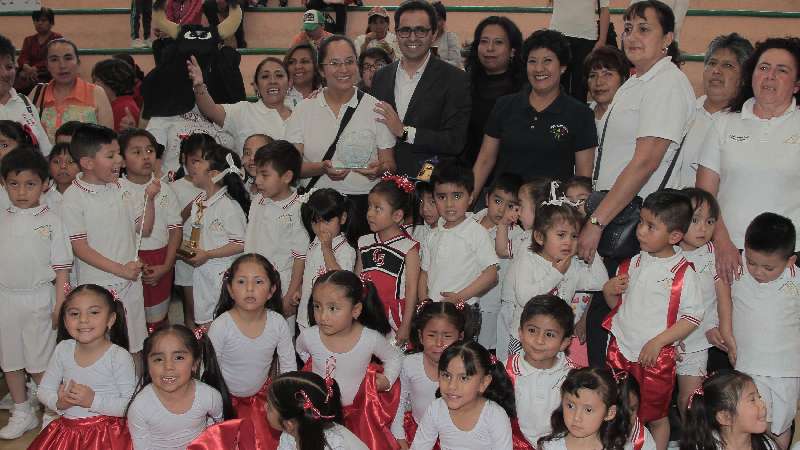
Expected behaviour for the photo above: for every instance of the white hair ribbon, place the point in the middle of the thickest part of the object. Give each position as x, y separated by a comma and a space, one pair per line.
231, 169
555, 200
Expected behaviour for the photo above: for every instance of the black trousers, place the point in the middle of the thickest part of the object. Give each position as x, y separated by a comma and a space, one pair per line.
573, 79
341, 15
143, 9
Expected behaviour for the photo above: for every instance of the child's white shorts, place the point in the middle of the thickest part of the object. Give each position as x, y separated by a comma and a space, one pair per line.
183, 273
693, 364
27, 338
780, 395
131, 295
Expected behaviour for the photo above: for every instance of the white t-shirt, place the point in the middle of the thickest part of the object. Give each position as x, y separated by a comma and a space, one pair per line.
349, 368
337, 437
706, 269
660, 103
492, 432
686, 168
537, 393
469, 244
314, 266
245, 119
38, 239
766, 324
757, 161
645, 305
111, 377
168, 214
154, 427
245, 362
16, 110
170, 131
576, 18
314, 125
417, 392
275, 230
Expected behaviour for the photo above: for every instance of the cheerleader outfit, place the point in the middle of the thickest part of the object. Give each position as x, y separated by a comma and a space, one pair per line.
101, 426
491, 432
417, 392
223, 222
384, 263
186, 193
660, 292
344, 254
154, 427
367, 412
337, 437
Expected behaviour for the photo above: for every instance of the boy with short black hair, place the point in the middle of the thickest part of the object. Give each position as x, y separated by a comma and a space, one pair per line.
29, 301
103, 224
275, 228
499, 219
545, 331
656, 302
459, 263
765, 319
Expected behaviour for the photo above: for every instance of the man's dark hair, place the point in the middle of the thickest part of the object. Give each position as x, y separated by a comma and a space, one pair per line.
416, 5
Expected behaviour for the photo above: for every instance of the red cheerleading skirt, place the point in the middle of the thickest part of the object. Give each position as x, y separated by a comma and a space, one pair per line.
254, 408
655, 383
155, 295
91, 433
236, 434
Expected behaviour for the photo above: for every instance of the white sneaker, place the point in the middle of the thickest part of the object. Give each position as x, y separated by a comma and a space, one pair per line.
147, 43
19, 423
137, 43
48, 417
6, 402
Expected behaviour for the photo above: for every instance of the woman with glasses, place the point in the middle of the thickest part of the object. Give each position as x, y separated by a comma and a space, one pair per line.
370, 61
353, 163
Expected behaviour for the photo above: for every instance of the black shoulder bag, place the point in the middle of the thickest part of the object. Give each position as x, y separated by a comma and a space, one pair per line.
348, 114
619, 235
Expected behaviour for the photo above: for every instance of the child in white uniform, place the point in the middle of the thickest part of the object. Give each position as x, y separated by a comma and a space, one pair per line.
428, 212
349, 327
474, 390
90, 378
324, 213
172, 406
248, 330
437, 325
103, 224
63, 170
766, 319
275, 229
37, 238
221, 214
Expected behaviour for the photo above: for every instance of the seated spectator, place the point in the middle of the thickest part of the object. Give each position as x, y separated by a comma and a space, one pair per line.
378, 34
370, 61
117, 79
447, 45
339, 7
137, 86
32, 62
313, 32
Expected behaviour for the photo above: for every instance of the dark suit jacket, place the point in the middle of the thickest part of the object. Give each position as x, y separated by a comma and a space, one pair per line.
439, 110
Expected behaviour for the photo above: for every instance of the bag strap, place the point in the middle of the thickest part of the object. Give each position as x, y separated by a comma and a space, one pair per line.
672, 164
38, 96
26, 102
348, 114
600, 149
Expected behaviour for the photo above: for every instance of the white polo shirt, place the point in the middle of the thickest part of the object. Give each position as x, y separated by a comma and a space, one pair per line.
223, 223
165, 205
766, 324
16, 110
106, 219
39, 239
455, 257
758, 162
659, 103
314, 125
645, 305
686, 168
170, 131
344, 254
576, 18
705, 266
245, 119
275, 230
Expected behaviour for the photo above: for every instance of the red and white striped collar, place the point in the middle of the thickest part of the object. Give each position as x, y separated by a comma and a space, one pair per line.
35, 211
89, 187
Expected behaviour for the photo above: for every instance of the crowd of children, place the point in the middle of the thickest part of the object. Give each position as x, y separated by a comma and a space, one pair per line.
439, 329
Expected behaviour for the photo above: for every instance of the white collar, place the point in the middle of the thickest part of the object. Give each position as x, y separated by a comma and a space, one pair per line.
218, 195
92, 188
748, 113
35, 211
658, 67
353, 102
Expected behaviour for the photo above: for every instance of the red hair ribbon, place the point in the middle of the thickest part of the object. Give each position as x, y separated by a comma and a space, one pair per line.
183, 136
308, 405
461, 305
67, 288
698, 391
199, 332
619, 375
493, 359
29, 131
402, 182
330, 368
422, 305
115, 295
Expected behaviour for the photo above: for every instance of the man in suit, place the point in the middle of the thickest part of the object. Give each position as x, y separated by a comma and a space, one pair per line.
425, 101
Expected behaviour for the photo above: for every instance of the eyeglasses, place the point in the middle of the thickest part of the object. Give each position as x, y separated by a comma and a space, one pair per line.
367, 67
337, 64
419, 32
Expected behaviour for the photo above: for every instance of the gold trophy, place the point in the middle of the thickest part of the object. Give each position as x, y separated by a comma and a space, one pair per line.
187, 248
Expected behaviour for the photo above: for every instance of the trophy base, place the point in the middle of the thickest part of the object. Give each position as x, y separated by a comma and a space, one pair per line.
186, 252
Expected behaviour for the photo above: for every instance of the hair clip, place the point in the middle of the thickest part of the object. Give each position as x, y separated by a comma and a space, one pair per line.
330, 368
227, 274
308, 405
67, 288
421, 305
698, 391
493, 359
304, 198
401, 181
115, 295
183, 136
619, 375
555, 200
199, 332
460, 305
232, 168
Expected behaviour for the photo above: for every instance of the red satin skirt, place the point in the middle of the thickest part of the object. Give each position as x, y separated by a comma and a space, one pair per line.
410, 427
517, 438
236, 434
254, 408
155, 295
655, 383
91, 433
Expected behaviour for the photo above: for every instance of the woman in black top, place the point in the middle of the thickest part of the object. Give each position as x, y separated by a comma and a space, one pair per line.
540, 131
495, 68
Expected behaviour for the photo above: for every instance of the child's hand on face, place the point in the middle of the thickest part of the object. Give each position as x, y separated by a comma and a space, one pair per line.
382, 383
617, 285
511, 216
153, 189
325, 238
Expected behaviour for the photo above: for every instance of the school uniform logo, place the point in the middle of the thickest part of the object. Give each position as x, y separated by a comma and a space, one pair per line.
738, 138
44, 232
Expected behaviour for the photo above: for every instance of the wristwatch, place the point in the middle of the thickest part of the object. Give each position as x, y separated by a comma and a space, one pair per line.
595, 221
404, 137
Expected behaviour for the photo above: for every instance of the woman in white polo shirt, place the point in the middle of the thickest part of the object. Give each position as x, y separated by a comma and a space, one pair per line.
243, 119
751, 157
364, 150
